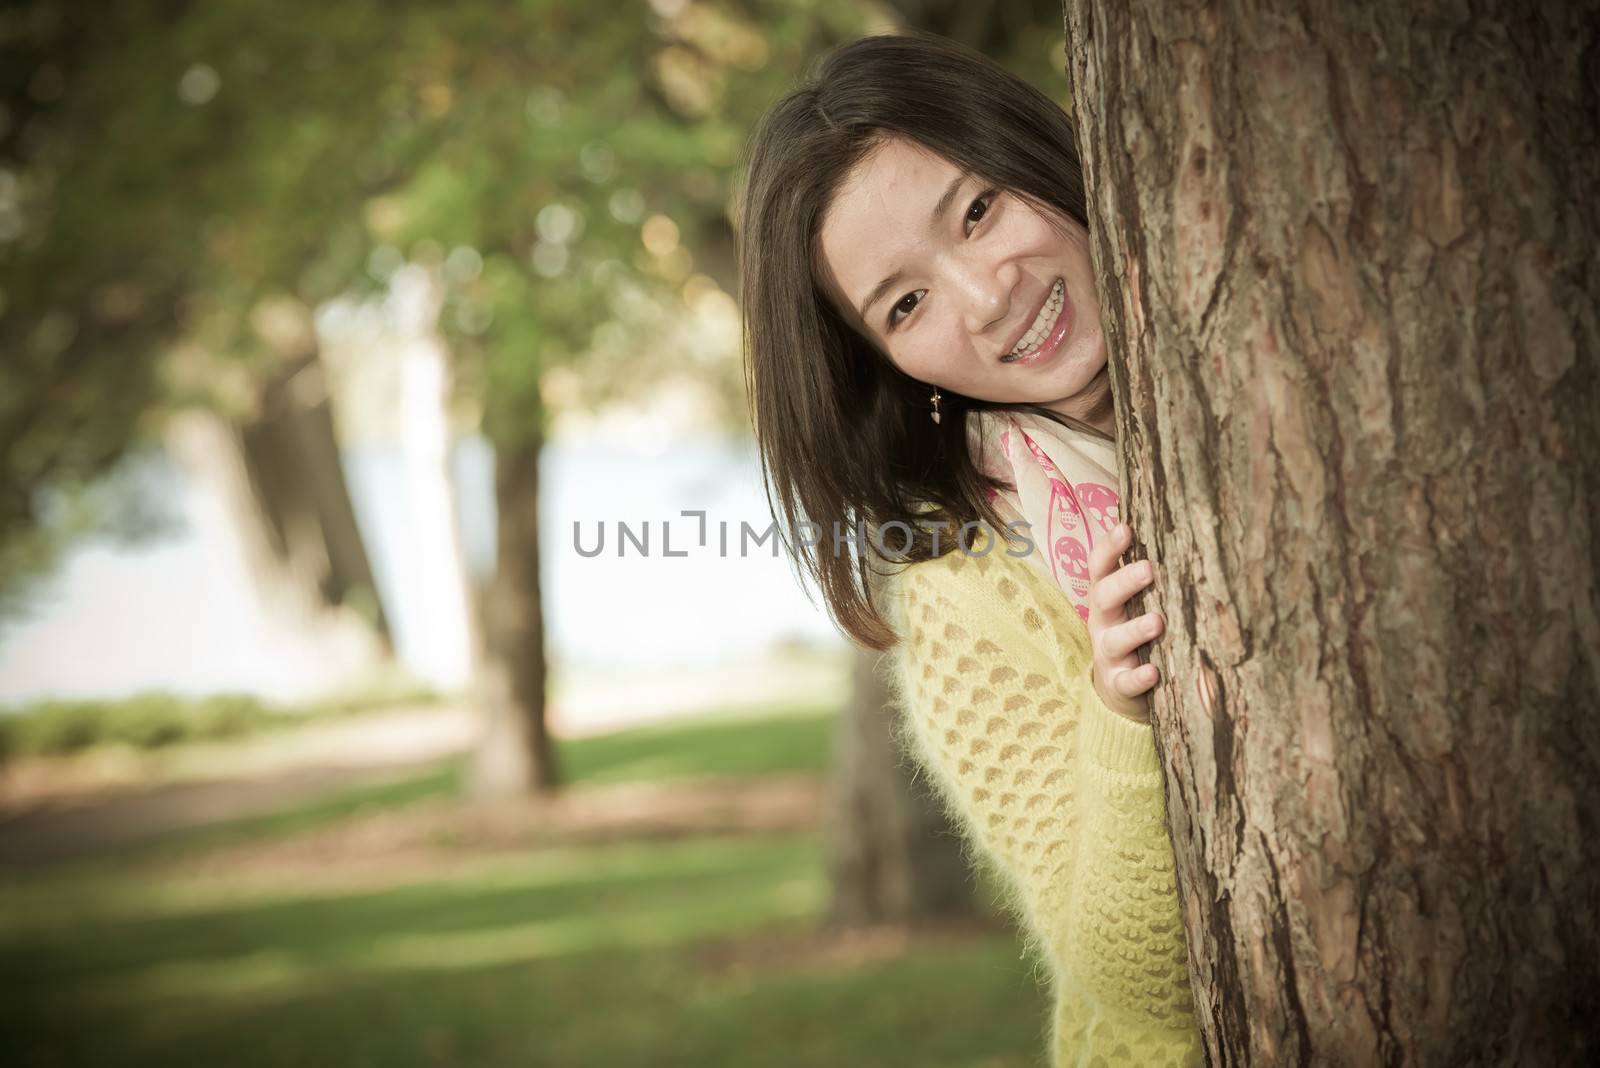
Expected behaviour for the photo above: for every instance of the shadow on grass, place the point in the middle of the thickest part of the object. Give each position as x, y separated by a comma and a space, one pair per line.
548, 903
567, 957
555, 955
967, 1006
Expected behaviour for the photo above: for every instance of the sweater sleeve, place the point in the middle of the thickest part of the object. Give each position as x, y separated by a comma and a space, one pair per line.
1064, 795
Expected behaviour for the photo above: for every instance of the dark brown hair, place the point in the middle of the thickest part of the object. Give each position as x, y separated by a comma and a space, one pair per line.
845, 436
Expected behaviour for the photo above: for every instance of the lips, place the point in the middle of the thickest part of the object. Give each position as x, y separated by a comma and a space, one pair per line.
1037, 338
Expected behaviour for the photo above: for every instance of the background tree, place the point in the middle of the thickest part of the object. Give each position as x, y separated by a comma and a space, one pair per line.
209, 174
583, 214
1347, 269
138, 146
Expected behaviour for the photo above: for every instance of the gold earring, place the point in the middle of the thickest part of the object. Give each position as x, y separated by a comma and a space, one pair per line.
935, 400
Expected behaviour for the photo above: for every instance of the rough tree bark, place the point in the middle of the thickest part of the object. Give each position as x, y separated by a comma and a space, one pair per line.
894, 856
1350, 291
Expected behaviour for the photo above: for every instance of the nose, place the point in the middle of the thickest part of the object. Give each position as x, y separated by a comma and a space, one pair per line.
986, 287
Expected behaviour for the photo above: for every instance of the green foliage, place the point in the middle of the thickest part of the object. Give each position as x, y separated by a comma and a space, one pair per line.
169, 172
165, 172
54, 727
147, 721
158, 720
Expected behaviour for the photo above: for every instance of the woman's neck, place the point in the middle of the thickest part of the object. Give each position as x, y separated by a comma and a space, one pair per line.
1091, 405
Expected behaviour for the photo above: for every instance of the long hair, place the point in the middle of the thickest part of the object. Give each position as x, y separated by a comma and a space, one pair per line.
846, 441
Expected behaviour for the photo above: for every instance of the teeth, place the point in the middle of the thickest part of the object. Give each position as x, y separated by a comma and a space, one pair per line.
1043, 322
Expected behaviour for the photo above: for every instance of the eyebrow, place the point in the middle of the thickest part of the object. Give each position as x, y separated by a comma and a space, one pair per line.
942, 206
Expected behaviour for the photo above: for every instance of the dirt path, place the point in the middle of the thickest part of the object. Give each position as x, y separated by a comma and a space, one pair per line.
52, 833
53, 811
416, 840
402, 845
72, 810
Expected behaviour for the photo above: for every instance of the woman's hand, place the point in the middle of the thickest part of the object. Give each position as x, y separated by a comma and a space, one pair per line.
1120, 680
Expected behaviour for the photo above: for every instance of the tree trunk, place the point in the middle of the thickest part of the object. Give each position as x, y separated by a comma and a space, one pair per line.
894, 855
313, 646
516, 754
1349, 288
986, 25
292, 456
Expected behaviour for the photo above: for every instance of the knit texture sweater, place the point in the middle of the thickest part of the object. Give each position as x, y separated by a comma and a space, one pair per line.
1062, 795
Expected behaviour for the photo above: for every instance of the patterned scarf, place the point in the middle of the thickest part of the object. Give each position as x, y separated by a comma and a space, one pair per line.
1064, 488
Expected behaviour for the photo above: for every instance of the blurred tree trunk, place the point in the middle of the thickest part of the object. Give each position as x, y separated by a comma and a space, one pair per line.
292, 456
894, 855
516, 754
1349, 283
344, 648
987, 25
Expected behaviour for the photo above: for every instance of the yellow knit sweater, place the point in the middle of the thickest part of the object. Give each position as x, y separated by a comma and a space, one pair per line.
1064, 795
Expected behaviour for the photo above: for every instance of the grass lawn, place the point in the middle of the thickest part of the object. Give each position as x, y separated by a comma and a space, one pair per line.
759, 741
694, 951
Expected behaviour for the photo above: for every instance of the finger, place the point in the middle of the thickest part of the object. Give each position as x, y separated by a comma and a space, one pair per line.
1135, 682
1112, 592
1118, 644
1104, 556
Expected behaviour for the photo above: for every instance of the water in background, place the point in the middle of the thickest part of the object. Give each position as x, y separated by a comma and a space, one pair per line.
631, 609
177, 613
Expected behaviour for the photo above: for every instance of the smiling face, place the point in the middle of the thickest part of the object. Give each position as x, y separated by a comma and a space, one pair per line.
963, 287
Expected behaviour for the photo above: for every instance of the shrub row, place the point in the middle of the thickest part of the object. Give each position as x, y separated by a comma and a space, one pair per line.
155, 720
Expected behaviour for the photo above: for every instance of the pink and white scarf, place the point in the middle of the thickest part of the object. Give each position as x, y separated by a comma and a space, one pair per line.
1064, 488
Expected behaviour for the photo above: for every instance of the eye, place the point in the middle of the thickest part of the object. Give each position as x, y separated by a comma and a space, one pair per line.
979, 208
905, 306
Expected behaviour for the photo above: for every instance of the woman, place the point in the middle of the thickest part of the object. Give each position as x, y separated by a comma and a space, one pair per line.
926, 362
